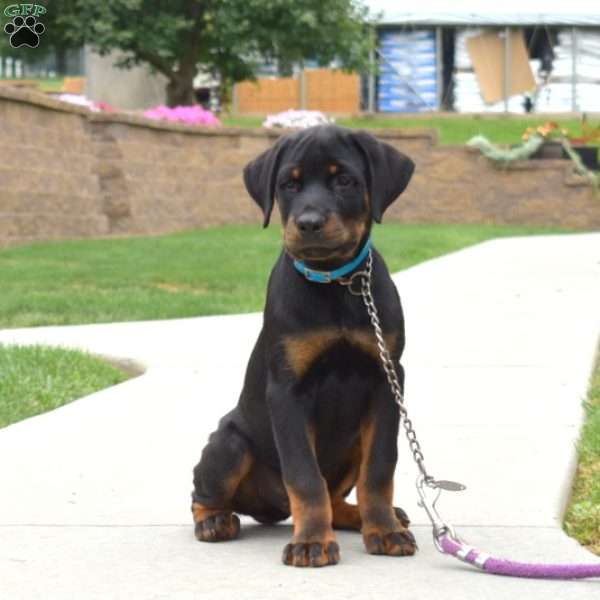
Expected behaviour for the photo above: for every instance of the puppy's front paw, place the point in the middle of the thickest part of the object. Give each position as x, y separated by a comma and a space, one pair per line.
311, 554
393, 543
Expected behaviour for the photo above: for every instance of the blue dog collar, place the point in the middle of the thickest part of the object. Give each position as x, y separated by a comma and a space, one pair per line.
329, 276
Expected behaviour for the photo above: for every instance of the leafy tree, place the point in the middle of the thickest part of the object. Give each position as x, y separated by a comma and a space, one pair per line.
285, 32
226, 37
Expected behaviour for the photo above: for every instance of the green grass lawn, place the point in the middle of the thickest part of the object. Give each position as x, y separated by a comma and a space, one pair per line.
53, 85
50, 84
582, 519
213, 271
36, 379
458, 130
452, 129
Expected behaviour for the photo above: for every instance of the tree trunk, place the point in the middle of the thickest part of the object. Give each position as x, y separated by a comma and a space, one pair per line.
180, 90
225, 95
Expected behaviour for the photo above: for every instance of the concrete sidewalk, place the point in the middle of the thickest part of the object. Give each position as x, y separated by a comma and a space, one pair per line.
94, 497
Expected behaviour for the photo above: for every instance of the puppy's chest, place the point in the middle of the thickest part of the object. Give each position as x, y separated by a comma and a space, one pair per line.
333, 350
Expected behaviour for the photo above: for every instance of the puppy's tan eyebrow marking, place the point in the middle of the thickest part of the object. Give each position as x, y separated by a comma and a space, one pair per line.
296, 172
333, 169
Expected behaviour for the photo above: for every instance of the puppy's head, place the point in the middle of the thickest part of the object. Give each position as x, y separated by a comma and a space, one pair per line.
330, 184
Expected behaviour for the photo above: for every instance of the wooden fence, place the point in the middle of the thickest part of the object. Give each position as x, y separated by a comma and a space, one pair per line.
326, 90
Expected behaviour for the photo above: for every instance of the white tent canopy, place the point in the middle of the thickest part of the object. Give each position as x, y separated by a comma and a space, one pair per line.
574, 13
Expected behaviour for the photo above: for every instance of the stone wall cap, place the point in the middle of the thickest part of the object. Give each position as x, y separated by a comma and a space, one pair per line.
407, 133
28, 96
139, 120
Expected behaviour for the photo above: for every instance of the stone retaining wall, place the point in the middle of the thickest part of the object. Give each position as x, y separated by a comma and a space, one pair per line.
69, 173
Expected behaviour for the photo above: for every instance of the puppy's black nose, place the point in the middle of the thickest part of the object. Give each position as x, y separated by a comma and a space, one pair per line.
310, 222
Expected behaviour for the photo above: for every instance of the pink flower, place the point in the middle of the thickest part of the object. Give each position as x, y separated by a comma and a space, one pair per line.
105, 107
192, 115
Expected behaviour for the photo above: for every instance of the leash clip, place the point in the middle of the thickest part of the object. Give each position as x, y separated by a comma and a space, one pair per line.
440, 527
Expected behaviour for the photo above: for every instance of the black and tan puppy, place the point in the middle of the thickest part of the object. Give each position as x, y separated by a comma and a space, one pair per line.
316, 416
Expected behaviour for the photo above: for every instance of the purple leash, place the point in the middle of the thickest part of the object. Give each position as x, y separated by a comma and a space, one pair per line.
444, 536
511, 568
447, 542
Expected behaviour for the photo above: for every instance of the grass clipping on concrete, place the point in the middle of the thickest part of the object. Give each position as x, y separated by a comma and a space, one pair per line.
582, 519
36, 379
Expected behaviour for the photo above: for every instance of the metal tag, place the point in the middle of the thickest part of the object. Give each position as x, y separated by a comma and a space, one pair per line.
450, 486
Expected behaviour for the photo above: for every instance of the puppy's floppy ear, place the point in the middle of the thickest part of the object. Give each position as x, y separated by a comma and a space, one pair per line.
260, 176
388, 171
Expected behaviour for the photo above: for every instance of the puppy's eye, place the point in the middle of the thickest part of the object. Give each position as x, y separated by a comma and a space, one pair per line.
344, 180
291, 185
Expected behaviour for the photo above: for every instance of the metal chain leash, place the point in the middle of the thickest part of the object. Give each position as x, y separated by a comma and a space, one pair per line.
390, 369
425, 480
